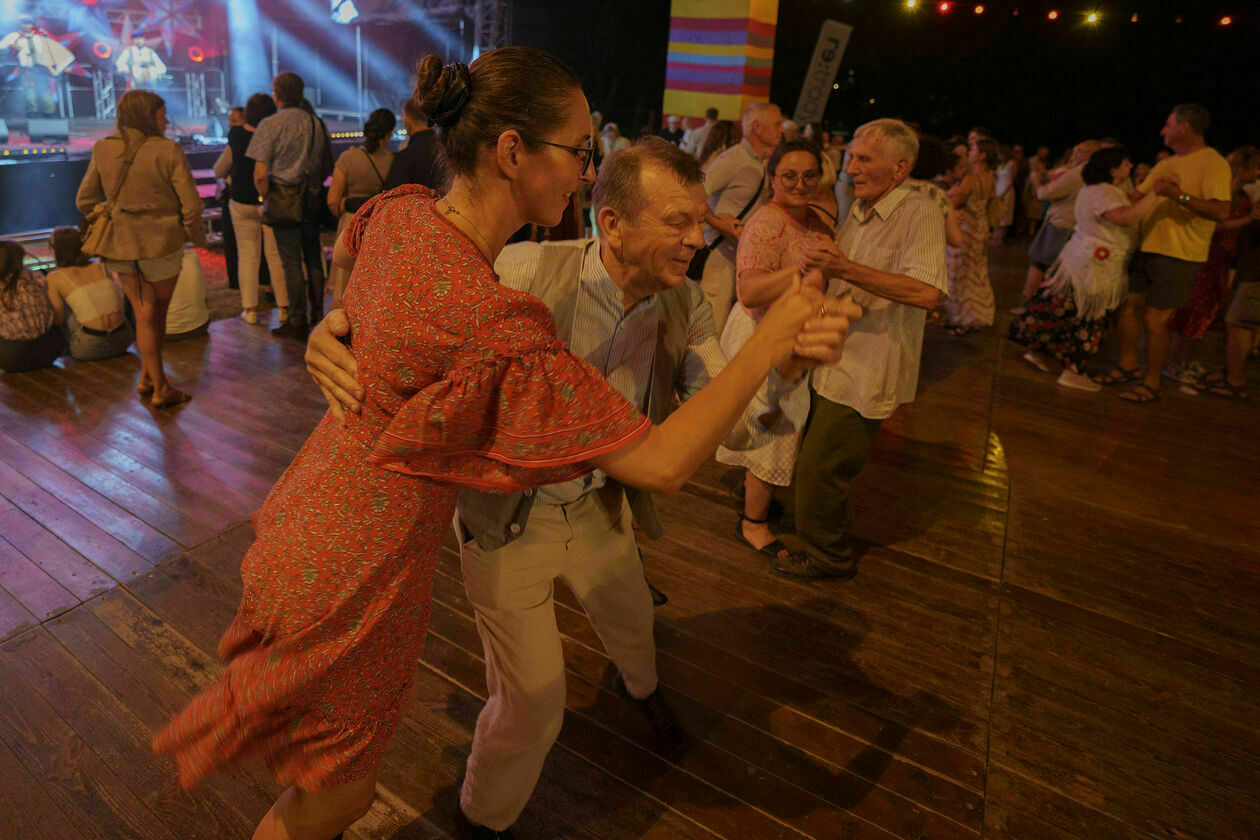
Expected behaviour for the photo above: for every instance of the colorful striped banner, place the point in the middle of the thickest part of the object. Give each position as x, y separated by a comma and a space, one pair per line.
721, 55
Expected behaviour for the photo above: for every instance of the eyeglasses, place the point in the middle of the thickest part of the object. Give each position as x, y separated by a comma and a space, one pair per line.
809, 179
585, 154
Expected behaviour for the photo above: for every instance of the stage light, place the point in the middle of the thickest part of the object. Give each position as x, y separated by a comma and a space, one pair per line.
979, 10
102, 50
1053, 15
196, 55
944, 7
909, 4
1226, 21
836, 86
1092, 17
1133, 19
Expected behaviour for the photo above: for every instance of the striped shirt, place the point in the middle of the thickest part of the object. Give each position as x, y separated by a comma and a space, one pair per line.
904, 233
619, 344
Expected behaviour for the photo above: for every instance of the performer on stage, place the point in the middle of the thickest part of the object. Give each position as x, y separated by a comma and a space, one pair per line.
40, 61
140, 64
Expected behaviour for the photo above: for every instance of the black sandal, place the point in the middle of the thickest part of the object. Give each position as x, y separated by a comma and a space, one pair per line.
1119, 376
770, 549
1217, 384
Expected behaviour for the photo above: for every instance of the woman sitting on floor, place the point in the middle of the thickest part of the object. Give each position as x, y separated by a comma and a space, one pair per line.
1069, 313
87, 302
29, 338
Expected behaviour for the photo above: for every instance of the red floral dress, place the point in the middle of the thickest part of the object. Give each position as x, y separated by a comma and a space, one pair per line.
1211, 285
466, 385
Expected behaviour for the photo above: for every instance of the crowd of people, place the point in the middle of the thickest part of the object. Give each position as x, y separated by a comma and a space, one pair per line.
756, 291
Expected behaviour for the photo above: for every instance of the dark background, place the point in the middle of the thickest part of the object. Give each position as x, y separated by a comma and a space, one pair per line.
1026, 78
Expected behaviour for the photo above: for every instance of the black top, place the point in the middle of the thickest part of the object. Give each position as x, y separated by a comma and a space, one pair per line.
674, 136
1247, 258
242, 166
416, 164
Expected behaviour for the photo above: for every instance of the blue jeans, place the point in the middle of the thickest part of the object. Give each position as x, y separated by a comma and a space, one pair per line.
289, 244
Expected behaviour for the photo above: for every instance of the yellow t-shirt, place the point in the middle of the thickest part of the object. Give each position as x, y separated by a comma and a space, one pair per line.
1172, 230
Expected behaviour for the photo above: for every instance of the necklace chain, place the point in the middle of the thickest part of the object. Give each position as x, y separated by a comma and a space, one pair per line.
450, 208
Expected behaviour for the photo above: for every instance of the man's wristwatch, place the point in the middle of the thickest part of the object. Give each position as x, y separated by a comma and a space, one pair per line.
1183, 199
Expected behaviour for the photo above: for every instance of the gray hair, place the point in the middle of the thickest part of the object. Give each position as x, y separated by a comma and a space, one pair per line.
754, 112
893, 131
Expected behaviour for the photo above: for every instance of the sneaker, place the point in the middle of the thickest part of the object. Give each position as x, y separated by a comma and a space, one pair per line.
250, 316
284, 314
1036, 360
1071, 379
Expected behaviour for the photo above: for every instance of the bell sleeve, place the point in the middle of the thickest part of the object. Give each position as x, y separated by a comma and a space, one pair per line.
510, 423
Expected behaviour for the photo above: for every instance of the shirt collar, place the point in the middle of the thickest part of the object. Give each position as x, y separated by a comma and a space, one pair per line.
598, 283
748, 149
885, 206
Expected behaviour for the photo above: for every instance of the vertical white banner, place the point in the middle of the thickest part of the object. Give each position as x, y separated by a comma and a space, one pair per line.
832, 40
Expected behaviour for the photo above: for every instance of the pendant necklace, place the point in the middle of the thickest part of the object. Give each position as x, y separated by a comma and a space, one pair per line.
451, 209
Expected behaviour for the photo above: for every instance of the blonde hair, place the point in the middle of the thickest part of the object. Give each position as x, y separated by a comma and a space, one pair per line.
138, 109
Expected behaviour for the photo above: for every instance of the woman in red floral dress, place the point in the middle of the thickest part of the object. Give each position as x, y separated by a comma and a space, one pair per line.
466, 386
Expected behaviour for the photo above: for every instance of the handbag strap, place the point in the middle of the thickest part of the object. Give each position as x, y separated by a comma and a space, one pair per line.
374, 169
126, 169
310, 150
760, 186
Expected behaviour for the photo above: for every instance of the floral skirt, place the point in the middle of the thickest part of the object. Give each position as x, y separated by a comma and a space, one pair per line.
1049, 324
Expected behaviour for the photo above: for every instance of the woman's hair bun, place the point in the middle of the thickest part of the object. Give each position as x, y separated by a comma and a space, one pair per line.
441, 91
380, 123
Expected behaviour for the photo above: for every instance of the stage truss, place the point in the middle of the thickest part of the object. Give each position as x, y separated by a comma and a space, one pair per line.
491, 19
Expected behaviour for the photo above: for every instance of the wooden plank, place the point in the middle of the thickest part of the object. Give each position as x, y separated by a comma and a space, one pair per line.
180, 527
90, 794
129, 530
27, 809
30, 585
14, 618
98, 546
43, 548
122, 740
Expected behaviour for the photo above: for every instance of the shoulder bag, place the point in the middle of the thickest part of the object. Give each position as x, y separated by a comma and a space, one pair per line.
102, 216
696, 270
284, 204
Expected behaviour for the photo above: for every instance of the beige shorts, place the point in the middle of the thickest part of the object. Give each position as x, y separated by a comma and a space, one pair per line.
1244, 309
152, 270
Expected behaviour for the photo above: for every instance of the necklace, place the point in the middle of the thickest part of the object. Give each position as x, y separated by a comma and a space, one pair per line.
451, 209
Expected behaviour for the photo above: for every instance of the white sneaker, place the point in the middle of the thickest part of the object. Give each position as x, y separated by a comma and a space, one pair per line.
250, 316
1071, 379
1037, 361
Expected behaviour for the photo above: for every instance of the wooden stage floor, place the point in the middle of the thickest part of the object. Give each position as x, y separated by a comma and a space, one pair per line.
1053, 635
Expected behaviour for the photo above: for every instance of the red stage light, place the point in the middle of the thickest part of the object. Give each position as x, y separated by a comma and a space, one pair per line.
1053, 15
1226, 21
101, 50
196, 55
979, 10
1134, 19
944, 7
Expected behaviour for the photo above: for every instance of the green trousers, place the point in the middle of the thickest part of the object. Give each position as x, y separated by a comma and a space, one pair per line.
833, 451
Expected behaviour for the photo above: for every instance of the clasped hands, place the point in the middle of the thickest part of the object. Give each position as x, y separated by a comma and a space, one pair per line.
825, 258
1168, 186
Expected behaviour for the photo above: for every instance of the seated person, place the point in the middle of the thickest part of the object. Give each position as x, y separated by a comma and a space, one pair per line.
29, 337
89, 305
188, 316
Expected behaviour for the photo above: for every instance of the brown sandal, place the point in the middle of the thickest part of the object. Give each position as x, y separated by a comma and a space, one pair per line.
173, 397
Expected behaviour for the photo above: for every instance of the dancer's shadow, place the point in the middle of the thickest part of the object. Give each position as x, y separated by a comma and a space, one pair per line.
758, 718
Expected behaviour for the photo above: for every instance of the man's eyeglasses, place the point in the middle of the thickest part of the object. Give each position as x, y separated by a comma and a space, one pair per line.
585, 154
809, 179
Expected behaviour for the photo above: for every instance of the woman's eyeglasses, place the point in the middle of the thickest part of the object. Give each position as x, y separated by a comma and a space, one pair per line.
585, 154
809, 179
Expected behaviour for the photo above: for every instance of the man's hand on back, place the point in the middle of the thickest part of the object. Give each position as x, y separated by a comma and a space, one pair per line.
333, 367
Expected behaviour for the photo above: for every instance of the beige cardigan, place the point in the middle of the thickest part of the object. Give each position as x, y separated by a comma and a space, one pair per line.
158, 208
